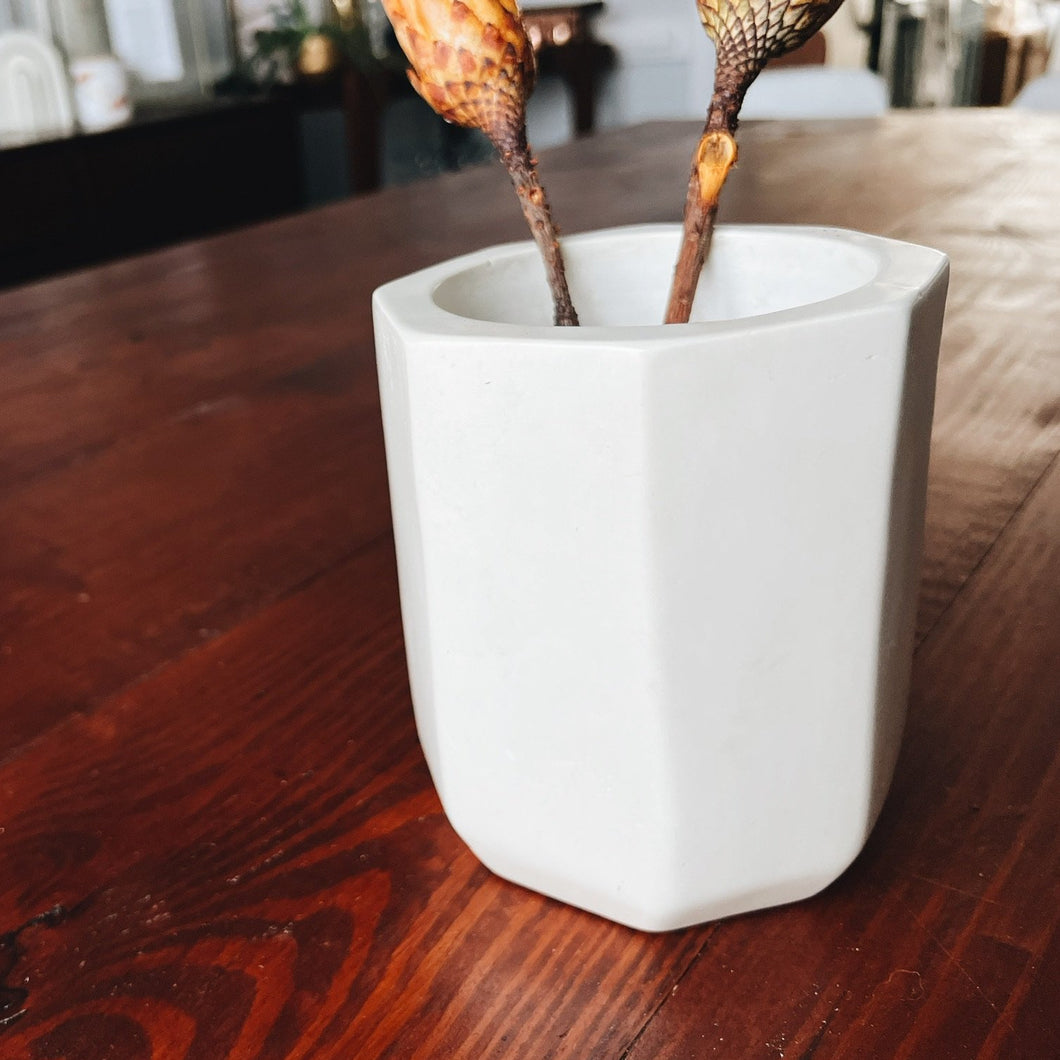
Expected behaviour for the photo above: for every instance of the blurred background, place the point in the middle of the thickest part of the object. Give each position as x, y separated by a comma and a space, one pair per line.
127, 124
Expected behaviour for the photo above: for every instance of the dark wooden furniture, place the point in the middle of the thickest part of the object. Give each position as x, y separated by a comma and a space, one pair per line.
355, 102
176, 172
563, 41
1008, 61
813, 53
218, 838
562, 36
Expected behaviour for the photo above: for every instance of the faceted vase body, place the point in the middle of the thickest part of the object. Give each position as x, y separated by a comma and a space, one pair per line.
658, 583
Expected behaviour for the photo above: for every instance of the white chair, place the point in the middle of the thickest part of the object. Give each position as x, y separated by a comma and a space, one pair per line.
1043, 93
34, 91
815, 92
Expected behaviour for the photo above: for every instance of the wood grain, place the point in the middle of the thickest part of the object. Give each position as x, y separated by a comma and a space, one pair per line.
304, 880
218, 837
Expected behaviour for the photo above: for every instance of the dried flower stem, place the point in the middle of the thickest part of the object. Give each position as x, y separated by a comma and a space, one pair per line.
715, 155
523, 171
746, 36
473, 62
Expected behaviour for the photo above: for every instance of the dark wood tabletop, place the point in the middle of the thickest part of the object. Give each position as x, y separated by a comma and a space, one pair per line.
218, 837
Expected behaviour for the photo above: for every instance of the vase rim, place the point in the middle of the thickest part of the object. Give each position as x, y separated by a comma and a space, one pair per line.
881, 270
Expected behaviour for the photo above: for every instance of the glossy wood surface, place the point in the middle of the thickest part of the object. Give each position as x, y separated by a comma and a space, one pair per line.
218, 837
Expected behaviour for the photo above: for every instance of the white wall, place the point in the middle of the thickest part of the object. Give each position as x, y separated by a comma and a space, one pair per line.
664, 61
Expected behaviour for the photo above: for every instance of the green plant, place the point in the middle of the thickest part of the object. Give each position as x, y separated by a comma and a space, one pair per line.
277, 49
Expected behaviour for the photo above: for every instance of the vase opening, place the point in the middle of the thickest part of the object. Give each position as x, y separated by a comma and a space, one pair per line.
621, 277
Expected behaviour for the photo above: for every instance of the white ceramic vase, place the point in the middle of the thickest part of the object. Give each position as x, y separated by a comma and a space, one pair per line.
658, 583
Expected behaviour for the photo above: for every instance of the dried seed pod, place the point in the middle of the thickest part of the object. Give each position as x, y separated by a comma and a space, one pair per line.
747, 34
472, 61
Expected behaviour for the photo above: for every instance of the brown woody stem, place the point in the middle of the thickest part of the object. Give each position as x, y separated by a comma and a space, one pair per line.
522, 170
715, 155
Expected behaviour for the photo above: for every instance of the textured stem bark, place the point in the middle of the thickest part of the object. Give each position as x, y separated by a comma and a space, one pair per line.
695, 245
714, 156
523, 171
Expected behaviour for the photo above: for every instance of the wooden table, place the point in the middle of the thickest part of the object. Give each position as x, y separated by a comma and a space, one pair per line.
218, 837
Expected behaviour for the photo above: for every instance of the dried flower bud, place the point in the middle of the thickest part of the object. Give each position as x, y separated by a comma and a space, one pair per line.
471, 61
748, 33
